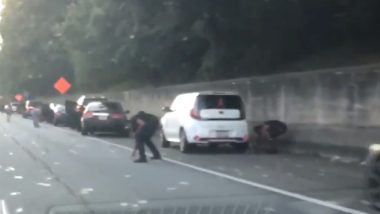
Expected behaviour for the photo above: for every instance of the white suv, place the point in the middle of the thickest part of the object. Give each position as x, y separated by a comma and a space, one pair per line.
210, 118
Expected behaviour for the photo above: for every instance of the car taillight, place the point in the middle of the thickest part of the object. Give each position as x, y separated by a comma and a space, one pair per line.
87, 115
195, 114
118, 116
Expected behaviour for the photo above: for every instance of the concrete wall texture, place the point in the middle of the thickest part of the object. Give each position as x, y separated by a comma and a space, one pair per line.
339, 107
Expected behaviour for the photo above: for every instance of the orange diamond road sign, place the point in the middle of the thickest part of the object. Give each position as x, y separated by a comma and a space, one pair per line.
62, 85
19, 97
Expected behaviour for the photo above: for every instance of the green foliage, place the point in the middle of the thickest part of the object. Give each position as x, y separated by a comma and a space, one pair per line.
98, 44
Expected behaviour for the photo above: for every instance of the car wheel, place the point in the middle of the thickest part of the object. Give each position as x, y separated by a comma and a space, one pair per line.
84, 130
184, 146
164, 143
241, 147
374, 185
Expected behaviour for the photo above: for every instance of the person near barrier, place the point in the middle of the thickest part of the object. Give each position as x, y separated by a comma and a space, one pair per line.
144, 126
267, 132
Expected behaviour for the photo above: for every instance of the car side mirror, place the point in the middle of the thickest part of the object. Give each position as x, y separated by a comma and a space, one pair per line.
166, 109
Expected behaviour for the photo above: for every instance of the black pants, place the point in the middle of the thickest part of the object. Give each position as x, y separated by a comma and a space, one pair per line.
144, 137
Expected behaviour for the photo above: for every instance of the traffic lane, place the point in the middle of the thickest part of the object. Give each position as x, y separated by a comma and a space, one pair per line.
26, 184
94, 172
331, 181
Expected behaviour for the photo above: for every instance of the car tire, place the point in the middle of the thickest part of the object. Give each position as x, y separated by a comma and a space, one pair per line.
184, 145
84, 130
164, 142
241, 147
374, 185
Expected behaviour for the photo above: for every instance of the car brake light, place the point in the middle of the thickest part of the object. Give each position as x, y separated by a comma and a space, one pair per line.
118, 116
194, 114
87, 115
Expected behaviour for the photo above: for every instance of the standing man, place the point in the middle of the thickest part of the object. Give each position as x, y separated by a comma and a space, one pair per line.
8, 111
144, 126
35, 113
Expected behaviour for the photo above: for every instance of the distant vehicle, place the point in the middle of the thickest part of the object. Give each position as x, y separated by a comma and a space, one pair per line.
210, 118
104, 117
60, 116
372, 175
14, 107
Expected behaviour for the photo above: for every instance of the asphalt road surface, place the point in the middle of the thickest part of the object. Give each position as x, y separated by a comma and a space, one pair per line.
56, 170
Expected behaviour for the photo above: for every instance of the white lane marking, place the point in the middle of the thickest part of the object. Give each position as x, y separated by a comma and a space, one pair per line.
10, 169
85, 191
4, 208
184, 183
171, 189
19, 210
250, 183
142, 201
18, 177
48, 178
127, 176
269, 209
14, 193
124, 204
73, 151
57, 163
10, 153
135, 205
44, 184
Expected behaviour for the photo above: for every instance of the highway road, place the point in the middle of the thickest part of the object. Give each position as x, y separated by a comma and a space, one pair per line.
56, 170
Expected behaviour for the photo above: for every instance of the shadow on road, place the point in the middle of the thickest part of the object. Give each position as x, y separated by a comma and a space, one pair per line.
110, 135
206, 150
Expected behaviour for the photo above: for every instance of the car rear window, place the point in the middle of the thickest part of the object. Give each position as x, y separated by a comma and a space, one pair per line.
114, 107
105, 107
219, 102
89, 100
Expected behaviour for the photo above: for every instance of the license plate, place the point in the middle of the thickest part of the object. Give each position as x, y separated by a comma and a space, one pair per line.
222, 134
103, 117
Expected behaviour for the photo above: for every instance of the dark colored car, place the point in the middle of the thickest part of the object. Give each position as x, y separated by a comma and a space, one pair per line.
104, 117
373, 175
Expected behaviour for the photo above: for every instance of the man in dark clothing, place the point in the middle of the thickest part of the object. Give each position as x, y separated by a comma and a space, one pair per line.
144, 126
267, 132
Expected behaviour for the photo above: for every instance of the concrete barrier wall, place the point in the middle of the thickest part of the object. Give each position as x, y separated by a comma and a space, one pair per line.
339, 107
335, 107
